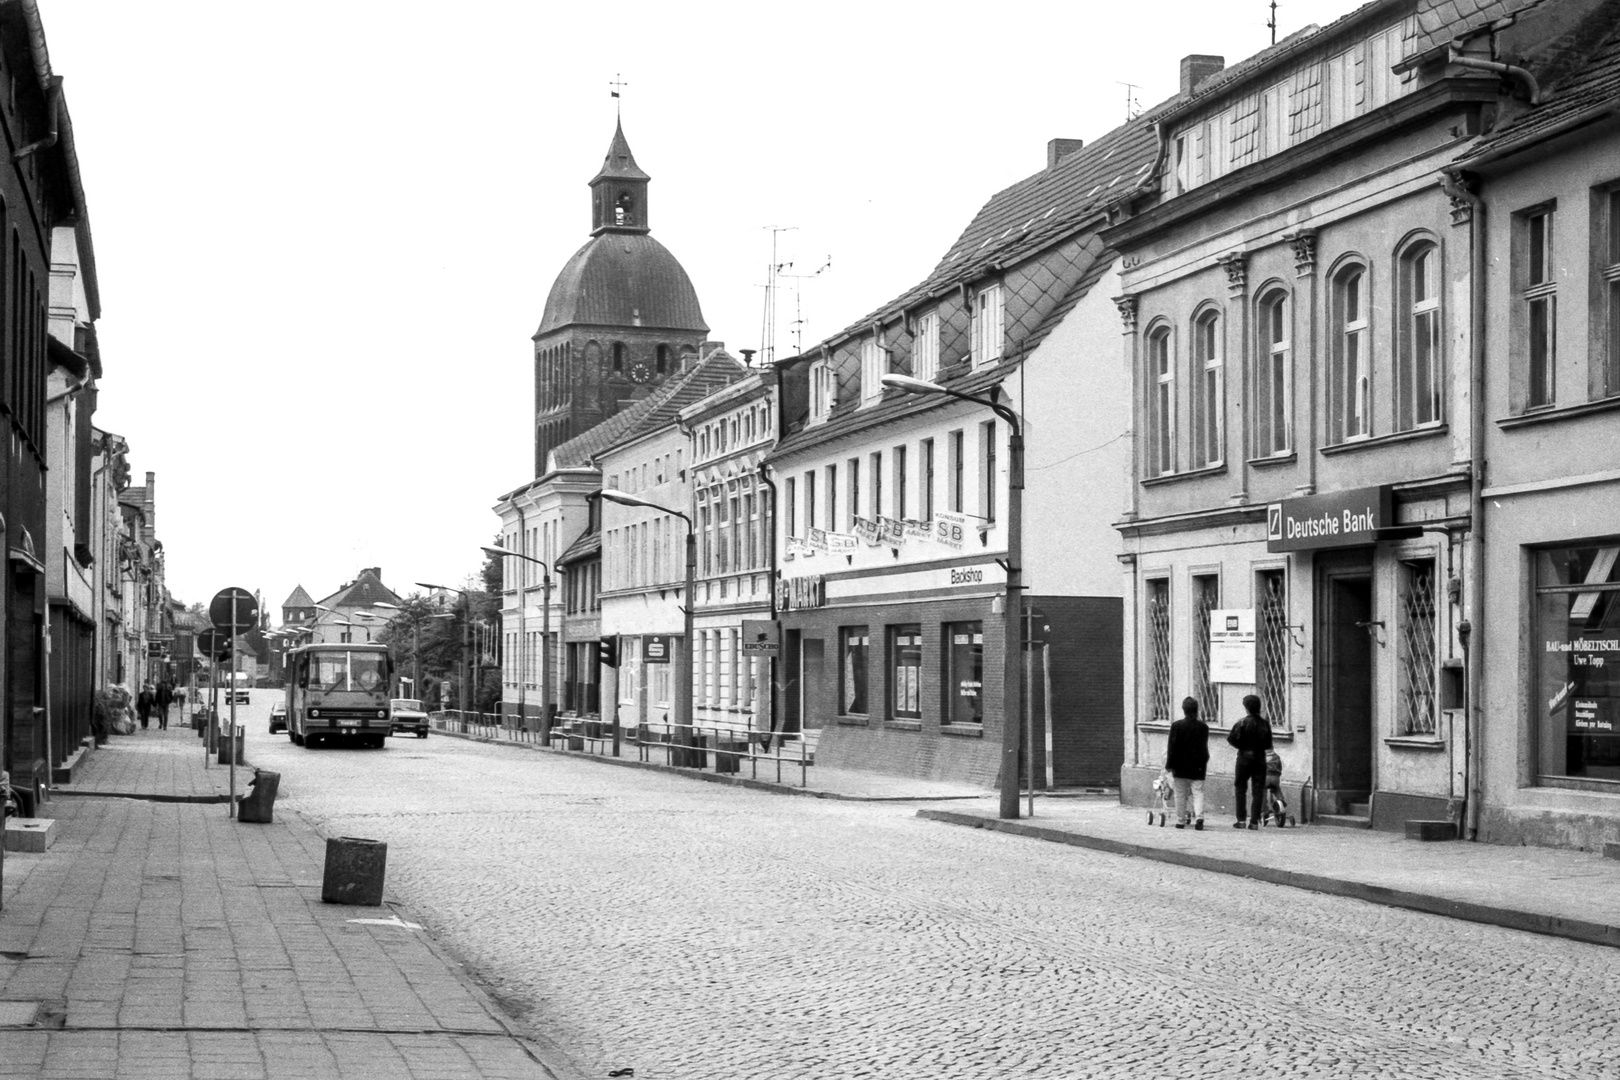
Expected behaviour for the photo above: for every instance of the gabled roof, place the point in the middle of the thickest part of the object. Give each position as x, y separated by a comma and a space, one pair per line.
1587, 89
1020, 221
363, 591
717, 369
581, 549
299, 598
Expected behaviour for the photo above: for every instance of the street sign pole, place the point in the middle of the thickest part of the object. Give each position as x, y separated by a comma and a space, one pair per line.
233, 611
231, 742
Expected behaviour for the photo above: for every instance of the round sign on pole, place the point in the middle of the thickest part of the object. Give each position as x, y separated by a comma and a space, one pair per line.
214, 644
234, 611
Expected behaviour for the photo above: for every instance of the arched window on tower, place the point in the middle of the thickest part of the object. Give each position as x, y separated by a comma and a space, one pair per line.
618, 356
624, 210
663, 359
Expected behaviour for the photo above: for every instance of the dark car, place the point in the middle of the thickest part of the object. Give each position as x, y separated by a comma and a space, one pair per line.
278, 717
408, 716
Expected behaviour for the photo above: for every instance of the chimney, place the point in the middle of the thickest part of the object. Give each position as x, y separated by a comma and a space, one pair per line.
1058, 149
709, 348
1195, 69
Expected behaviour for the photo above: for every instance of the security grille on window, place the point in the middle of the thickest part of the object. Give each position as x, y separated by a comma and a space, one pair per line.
1417, 648
1206, 598
1271, 646
1158, 639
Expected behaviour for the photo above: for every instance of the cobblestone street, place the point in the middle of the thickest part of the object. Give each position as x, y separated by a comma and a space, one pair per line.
687, 930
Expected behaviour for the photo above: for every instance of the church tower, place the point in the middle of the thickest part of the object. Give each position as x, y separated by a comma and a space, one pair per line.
621, 317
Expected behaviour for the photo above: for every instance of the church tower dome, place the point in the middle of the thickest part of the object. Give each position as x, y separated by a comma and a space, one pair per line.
620, 318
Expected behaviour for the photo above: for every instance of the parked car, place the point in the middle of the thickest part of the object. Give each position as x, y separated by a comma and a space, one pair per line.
408, 716
278, 717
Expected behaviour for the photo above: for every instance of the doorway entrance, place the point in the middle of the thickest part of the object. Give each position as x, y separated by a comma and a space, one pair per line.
1344, 694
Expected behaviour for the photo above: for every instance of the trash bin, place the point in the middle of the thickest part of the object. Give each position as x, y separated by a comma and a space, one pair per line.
225, 745
259, 802
354, 871
726, 759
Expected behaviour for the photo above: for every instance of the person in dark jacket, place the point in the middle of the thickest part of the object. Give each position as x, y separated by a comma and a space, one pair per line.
165, 697
143, 704
1252, 738
1187, 759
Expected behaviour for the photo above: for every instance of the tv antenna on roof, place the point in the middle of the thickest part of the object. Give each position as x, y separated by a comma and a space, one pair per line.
767, 333
1132, 108
798, 310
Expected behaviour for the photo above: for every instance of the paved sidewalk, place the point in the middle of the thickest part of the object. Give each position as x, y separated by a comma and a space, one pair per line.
1569, 894
160, 939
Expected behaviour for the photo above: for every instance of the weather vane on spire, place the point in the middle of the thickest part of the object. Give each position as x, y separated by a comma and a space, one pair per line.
618, 84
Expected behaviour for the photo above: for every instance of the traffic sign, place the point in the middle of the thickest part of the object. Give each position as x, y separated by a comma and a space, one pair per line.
235, 611
214, 644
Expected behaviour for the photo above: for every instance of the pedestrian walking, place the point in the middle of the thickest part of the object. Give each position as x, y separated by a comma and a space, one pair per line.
143, 704
1252, 738
1187, 760
165, 698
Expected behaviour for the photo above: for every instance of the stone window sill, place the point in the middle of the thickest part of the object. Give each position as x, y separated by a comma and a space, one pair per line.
1414, 742
1550, 414
965, 731
854, 721
903, 725
1190, 474
1371, 441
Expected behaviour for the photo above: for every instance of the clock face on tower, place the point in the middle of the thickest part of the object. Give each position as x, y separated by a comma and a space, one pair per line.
640, 371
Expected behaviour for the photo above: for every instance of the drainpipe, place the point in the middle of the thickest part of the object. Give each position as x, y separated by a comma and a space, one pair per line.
770, 548
523, 613
1461, 186
1519, 73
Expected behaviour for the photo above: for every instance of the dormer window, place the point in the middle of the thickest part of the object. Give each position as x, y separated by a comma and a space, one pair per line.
874, 365
925, 347
823, 390
987, 325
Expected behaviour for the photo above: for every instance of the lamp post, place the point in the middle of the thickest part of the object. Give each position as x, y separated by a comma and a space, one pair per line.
683, 674
523, 646
466, 631
1012, 684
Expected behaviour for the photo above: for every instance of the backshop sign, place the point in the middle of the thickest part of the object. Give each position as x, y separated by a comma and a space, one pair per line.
1334, 520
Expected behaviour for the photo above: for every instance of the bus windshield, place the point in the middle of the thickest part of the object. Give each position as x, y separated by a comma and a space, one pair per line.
347, 671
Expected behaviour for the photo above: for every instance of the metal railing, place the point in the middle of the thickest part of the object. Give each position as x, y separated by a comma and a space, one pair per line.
718, 748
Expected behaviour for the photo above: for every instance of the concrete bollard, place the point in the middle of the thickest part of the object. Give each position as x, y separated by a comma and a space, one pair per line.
258, 805
354, 871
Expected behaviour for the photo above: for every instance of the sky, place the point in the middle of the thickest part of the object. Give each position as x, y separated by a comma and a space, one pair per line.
325, 231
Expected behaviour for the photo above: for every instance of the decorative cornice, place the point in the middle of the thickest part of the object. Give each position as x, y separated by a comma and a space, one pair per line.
1127, 312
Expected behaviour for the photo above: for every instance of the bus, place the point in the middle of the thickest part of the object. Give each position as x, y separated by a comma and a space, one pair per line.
338, 693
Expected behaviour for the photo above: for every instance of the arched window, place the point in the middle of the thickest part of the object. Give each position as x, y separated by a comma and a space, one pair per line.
663, 359
1273, 374
1351, 386
1161, 403
618, 356
1418, 379
1208, 404
624, 210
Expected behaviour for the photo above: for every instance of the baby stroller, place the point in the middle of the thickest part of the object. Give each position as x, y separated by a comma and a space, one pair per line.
1276, 806
1164, 800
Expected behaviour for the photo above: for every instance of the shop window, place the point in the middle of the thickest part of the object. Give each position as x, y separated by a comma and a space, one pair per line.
1418, 380
1417, 649
905, 667
1351, 381
1158, 642
1206, 598
1271, 646
964, 672
1576, 645
1207, 406
853, 649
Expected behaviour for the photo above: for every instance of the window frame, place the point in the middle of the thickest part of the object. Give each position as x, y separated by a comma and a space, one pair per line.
925, 346
1272, 426
823, 385
874, 365
1350, 378
847, 636
949, 661
1603, 376
898, 685
1420, 249
989, 325
1159, 367
1207, 330
1536, 288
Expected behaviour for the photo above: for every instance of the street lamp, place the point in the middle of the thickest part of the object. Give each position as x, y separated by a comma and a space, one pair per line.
683, 674
1012, 684
466, 632
354, 615
523, 640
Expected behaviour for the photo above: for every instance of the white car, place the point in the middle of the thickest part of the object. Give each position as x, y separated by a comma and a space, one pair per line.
407, 716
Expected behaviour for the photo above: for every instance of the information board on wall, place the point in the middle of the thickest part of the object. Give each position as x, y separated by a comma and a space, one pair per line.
1231, 645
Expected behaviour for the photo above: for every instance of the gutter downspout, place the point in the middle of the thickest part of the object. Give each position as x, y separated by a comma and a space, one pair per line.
53, 109
523, 613
770, 544
1519, 73
1471, 631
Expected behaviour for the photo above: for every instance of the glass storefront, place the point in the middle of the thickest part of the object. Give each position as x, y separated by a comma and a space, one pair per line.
964, 643
1577, 647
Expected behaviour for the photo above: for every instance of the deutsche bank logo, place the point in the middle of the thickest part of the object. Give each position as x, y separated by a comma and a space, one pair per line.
1274, 522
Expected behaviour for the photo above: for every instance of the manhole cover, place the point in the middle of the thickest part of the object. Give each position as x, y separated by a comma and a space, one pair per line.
18, 1013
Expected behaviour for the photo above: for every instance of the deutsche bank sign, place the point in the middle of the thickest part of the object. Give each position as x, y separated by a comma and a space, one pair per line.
1337, 519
